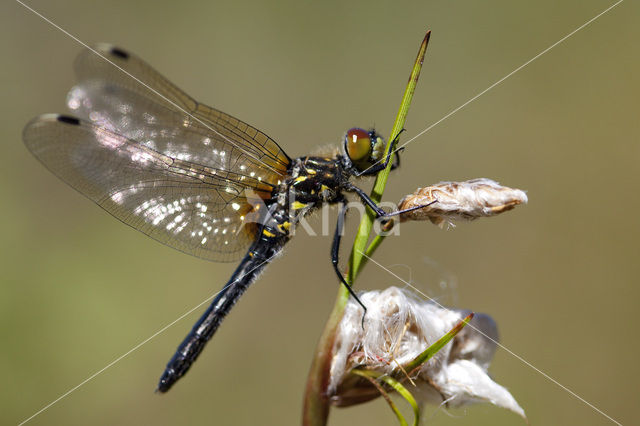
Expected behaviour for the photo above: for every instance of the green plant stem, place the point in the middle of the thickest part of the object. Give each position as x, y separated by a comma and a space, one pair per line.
316, 399
377, 240
364, 230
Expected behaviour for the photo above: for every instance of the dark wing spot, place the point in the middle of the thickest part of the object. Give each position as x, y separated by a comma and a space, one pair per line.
68, 119
119, 53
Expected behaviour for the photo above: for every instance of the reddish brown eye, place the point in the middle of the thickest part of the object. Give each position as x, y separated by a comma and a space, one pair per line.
358, 144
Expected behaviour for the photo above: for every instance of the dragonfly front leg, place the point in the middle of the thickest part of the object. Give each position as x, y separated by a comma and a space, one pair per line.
379, 212
396, 158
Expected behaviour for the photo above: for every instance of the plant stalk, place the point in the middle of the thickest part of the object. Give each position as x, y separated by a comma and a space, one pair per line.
316, 398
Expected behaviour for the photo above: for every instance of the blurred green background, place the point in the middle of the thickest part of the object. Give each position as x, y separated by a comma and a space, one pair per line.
78, 289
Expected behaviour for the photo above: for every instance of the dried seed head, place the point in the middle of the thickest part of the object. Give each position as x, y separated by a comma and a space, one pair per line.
398, 327
460, 200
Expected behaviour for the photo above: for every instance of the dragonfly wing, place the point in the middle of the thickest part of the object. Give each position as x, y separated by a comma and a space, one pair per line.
181, 204
135, 85
163, 130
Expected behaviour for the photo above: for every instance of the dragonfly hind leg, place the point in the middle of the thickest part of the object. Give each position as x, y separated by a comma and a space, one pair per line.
335, 254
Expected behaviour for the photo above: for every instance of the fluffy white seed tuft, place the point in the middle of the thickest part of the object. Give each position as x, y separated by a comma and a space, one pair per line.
461, 200
397, 328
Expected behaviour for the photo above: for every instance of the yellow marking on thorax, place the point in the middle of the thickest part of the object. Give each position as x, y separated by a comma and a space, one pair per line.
300, 179
311, 171
324, 188
297, 205
284, 226
267, 233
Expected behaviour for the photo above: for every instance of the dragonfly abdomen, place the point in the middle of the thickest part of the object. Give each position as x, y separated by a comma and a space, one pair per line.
257, 258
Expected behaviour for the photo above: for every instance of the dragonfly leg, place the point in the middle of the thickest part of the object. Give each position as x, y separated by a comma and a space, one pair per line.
335, 254
379, 212
396, 158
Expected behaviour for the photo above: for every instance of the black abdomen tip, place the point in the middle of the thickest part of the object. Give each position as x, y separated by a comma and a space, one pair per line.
68, 119
119, 53
165, 383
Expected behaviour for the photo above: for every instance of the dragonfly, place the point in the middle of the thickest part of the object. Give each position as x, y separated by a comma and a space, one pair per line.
192, 177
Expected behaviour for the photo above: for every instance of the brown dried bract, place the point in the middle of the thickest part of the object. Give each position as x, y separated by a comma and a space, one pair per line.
460, 200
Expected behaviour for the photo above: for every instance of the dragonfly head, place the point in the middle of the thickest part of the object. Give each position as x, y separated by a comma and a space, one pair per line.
363, 149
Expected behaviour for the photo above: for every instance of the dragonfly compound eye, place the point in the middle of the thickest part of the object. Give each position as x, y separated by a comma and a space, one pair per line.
358, 145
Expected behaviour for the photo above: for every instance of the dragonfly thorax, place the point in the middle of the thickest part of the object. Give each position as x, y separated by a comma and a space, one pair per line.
311, 182
316, 180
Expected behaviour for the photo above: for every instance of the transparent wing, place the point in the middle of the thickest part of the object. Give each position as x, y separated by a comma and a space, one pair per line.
120, 91
193, 208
